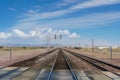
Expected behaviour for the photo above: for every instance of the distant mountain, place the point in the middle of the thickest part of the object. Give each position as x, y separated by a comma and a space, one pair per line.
31, 45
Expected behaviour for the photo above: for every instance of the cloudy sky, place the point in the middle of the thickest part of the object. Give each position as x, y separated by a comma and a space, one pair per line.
78, 21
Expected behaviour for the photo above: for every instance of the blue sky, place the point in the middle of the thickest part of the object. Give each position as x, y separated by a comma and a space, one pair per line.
30, 21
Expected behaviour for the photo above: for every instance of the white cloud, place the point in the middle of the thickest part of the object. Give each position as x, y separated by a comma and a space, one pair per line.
31, 12
65, 3
38, 35
79, 6
5, 35
34, 18
38, 32
94, 3
74, 35
12, 9
70, 1
45, 15
33, 33
20, 33
87, 21
66, 32
37, 7
59, 5
43, 33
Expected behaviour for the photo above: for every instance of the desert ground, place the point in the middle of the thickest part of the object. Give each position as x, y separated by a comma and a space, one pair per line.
17, 54
104, 55
99, 53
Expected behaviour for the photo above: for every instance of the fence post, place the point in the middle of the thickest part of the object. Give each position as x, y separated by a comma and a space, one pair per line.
111, 53
10, 54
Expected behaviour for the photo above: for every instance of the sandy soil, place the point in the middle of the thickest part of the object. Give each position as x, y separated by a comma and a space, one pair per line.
102, 56
18, 55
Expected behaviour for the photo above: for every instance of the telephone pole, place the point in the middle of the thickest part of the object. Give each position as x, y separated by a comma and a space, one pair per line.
92, 45
10, 54
111, 55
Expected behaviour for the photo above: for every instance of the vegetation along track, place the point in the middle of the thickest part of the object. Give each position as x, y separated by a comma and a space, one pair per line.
104, 66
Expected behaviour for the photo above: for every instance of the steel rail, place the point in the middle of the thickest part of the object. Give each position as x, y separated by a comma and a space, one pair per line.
117, 67
15, 70
68, 65
100, 67
70, 68
101, 62
50, 73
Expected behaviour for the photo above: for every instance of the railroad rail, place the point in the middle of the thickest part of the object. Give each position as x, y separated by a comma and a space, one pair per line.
19, 66
31, 73
59, 67
104, 66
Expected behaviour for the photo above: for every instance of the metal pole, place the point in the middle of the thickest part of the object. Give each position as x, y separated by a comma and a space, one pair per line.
92, 45
79, 45
48, 40
10, 54
110, 52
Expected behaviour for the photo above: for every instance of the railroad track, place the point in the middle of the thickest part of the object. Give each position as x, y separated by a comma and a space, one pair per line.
59, 70
101, 65
19, 67
53, 65
31, 73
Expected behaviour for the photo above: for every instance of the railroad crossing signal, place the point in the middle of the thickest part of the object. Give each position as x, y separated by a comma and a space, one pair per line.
55, 36
60, 36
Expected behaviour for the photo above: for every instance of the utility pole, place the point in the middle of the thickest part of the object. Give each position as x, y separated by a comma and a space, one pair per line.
110, 52
10, 54
85, 45
48, 41
92, 45
79, 45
